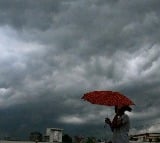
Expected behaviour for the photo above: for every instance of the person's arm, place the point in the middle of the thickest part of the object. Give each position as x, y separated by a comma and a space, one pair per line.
108, 121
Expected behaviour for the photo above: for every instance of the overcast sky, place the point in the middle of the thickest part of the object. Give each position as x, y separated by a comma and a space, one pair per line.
54, 51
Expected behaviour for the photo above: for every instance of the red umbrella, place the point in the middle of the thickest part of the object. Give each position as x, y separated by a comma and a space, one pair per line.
108, 98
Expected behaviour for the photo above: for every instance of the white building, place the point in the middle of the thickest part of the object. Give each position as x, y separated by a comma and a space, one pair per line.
54, 135
146, 137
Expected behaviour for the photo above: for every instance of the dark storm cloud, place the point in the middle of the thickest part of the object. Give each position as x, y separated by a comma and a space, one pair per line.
28, 14
54, 51
67, 24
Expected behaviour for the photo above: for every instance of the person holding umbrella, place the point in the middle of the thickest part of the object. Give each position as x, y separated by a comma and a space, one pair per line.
120, 125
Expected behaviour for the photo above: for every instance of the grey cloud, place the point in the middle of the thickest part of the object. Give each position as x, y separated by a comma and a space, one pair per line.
54, 52
29, 14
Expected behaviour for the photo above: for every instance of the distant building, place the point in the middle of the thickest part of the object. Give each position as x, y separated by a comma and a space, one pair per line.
146, 137
53, 135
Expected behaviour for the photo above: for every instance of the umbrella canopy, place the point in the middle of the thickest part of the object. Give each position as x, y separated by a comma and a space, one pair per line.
108, 98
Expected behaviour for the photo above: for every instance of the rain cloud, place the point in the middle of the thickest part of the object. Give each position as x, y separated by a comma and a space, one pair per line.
52, 52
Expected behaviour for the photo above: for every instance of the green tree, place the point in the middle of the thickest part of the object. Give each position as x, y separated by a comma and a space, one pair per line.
157, 139
66, 138
35, 136
91, 140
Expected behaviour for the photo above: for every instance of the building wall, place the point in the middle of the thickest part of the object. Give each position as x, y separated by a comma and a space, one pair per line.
147, 137
3, 141
54, 134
